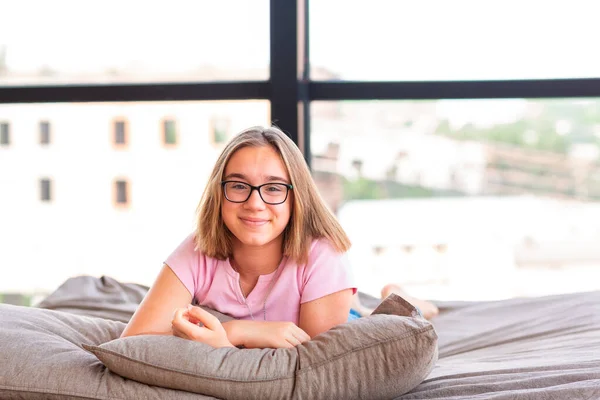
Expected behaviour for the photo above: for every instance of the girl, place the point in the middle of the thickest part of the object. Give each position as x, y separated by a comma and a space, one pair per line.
266, 251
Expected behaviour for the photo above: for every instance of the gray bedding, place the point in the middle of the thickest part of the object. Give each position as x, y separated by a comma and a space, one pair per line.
536, 348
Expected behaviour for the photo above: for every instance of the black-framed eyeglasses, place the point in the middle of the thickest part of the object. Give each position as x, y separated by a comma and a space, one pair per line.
270, 193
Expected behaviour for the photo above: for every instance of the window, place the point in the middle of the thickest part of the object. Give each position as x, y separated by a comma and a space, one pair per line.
45, 189
107, 56
83, 168
44, 132
220, 129
121, 134
474, 183
122, 197
461, 40
4, 133
169, 132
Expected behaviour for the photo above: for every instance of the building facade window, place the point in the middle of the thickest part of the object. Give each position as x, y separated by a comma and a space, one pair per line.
122, 197
169, 132
120, 132
220, 129
45, 190
44, 132
4, 133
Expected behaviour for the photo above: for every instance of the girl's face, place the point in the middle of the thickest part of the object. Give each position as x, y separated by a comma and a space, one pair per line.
254, 222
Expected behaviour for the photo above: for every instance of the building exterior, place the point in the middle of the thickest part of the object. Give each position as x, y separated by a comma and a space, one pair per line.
474, 248
111, 189
105, 189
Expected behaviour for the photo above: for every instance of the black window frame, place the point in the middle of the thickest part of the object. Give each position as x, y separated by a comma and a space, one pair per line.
289, 88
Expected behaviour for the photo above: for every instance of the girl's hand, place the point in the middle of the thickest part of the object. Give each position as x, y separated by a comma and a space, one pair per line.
185, 325
265, 334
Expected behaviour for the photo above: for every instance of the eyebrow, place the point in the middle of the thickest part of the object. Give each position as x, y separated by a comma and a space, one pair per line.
269, 178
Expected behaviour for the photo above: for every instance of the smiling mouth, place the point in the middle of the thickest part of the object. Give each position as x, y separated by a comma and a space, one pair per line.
254, 222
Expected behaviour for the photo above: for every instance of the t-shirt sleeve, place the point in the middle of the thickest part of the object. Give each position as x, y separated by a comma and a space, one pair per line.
184, 262
327, 271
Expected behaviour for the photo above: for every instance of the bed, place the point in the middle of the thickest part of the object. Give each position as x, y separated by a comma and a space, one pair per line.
527, 348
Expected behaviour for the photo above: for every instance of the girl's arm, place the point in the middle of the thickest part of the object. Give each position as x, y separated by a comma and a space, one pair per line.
155, 314
316, 317
322, 314
264, 334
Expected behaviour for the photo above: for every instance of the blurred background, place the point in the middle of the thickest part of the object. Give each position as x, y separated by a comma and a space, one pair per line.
458, 142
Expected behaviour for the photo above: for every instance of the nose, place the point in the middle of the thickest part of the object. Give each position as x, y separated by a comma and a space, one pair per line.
255, 201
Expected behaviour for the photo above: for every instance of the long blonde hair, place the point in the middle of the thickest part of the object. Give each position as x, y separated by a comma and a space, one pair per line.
310, 218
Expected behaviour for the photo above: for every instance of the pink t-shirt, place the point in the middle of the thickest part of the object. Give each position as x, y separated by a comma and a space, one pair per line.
215, 284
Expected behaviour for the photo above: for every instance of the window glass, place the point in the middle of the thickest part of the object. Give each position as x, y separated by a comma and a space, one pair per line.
45, 190
131, 41
44, 132
453, 40
170, 132
120, 136
122, 191
81, 231
221, 129
4, 133
465, 199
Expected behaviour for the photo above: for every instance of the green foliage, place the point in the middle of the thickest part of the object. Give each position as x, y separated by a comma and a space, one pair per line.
582, 117
362, 188
367, 189
15, 299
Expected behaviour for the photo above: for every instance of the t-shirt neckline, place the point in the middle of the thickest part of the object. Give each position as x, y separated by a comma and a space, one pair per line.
261, 278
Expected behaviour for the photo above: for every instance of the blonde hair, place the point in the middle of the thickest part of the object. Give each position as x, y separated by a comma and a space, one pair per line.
310, 218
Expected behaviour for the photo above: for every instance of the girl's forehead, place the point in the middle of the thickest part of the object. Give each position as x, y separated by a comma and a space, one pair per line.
257, 162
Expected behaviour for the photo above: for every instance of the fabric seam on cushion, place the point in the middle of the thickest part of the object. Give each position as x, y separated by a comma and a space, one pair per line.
111, 352
391, 340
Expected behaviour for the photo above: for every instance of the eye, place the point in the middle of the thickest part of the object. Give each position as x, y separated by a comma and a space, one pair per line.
274, 188
238, 186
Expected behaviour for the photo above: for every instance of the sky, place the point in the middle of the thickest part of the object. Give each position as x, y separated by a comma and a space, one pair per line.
456, 39
357, 39
366, 40
76, 35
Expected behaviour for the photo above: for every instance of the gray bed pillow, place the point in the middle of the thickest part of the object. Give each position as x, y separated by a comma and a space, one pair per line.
41, 358
381, 356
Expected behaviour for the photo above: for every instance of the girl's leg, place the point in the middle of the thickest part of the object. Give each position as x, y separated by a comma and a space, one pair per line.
427, 308
359, 308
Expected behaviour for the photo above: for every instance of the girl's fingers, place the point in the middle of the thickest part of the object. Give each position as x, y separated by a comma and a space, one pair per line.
179, 314
293, 340
190, 331
177, 333
301, 335
207, 319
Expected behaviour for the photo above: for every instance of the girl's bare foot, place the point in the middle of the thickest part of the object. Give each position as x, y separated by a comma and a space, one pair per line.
428, 309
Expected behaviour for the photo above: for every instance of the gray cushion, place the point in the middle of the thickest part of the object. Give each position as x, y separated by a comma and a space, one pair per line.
103, 297
41, 358
380, 356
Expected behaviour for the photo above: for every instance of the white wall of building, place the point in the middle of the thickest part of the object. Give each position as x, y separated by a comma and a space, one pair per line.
81, 231
473, 248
